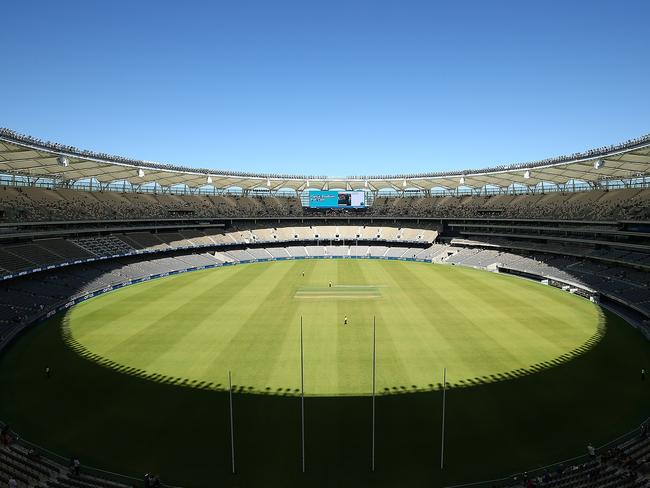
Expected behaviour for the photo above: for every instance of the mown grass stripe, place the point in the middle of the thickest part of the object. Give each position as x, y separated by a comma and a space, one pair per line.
245, 318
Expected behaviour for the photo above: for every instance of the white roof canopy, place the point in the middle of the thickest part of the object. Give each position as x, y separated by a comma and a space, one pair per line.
27, 156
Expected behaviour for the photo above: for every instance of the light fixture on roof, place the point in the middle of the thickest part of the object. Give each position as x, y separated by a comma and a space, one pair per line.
404, 184
140, 173
63, 161
268, 182
307, 182
366, 184
208, 180
599, 163
527, 174
462, 180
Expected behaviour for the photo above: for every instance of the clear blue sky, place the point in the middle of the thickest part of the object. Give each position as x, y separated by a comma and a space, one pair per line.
328, 87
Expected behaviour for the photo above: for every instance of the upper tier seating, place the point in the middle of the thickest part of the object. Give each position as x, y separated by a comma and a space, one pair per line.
20, 204
40, 204
627, 204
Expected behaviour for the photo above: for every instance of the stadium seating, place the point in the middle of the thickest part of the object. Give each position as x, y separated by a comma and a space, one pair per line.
602, 205
32, 295
31, 470
17, 258
596, 240
40, 204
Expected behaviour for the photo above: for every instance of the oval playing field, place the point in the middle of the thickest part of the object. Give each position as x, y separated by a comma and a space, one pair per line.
192, 328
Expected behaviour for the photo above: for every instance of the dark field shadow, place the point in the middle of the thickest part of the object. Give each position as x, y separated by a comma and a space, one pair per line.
117, 420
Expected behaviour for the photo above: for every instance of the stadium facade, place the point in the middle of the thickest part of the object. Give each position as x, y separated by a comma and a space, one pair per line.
29, 157
63, 244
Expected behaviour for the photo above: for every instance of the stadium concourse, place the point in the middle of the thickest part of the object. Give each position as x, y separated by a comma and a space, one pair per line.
62, 244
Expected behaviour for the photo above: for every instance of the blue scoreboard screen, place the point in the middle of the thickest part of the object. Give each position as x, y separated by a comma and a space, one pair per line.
337, 199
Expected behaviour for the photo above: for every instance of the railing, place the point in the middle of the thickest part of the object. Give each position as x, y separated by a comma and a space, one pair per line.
87, 470
535, 472
33, 182
505, 481
64, 462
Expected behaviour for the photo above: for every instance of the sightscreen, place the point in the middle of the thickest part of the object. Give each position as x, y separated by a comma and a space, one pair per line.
337, 199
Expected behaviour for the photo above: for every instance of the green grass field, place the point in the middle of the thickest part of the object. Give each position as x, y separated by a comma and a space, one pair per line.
193, 328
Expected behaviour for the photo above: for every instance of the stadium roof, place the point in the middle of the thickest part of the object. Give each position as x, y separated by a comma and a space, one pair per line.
27, 156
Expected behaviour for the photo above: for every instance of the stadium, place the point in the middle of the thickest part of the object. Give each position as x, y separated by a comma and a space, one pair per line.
221, 328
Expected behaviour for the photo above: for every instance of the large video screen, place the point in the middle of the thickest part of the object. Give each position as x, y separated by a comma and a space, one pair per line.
337, 199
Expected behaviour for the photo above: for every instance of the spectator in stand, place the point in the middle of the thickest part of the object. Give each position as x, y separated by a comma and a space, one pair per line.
12, 483
75, 466
6, 436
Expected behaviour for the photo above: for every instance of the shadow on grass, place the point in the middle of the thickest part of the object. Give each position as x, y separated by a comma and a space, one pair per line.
117, 420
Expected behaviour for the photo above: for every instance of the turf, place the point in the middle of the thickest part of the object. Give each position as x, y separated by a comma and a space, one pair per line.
132, 425
193, 328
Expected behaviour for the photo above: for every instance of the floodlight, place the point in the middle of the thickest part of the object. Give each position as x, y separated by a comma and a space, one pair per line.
462, 180
208, 180
63, 161
599, 163
527, 174
140, 173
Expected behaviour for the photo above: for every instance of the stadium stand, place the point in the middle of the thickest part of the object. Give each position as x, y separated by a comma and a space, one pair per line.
27, 204
604, 205
103, 246
623, 280
34, 294
59, 244
29, 469
23, 204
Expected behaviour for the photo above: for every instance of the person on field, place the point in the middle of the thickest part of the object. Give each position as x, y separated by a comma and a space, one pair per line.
345, 320
303, 274
330, 284
642, 374
591, 450
48, 372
